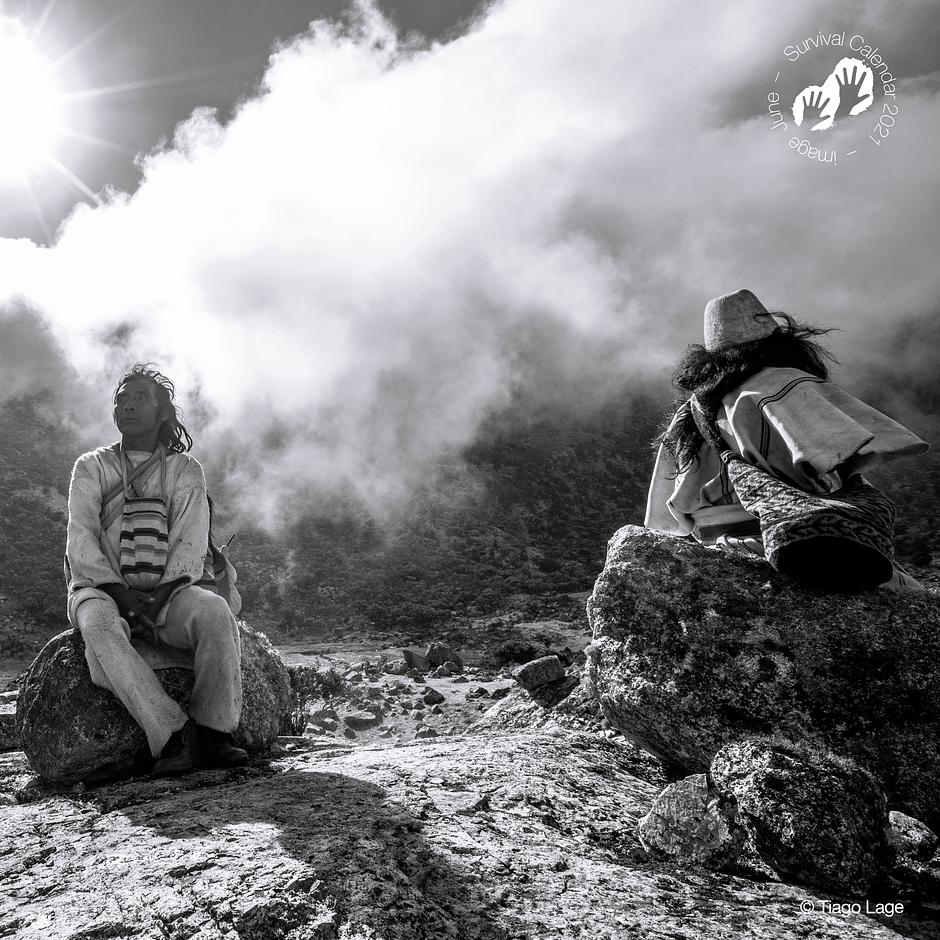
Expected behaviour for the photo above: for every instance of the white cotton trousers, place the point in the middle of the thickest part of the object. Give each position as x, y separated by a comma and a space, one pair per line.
197, 620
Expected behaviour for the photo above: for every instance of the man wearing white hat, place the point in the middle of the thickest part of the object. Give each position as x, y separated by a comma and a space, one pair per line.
763, 380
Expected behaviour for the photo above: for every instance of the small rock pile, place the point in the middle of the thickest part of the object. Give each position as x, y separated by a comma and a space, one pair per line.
792, 814
422, 695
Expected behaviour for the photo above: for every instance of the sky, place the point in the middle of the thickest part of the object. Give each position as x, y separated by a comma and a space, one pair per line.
141, 66
350, 242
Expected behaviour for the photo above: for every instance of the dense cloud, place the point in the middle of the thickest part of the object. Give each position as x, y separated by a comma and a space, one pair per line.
386, 242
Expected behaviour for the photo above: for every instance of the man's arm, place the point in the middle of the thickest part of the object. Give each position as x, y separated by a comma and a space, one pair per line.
188, 536
88, 564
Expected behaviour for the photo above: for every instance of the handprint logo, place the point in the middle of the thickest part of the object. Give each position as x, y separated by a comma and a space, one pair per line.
813, 107
841, 95
850, 90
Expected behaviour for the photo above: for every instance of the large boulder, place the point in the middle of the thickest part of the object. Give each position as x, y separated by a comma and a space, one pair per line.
73, 730
816, 817
695, 648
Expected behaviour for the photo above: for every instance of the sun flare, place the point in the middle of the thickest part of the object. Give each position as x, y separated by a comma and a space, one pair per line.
31, 107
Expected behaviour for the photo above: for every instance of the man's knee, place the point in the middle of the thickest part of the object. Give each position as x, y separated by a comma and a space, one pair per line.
99, 620
209, 615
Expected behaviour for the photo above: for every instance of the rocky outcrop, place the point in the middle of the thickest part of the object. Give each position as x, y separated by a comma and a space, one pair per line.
73, 730
527, 835
815, 818
774, 810
694, 649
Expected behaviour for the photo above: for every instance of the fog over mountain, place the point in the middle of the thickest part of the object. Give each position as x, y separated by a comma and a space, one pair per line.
390, 241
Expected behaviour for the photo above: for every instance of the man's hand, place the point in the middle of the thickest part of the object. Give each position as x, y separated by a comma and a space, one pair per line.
141, 608
130, 602
159, 596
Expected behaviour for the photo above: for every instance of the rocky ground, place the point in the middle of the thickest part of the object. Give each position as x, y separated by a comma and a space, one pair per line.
503, 835
494, 813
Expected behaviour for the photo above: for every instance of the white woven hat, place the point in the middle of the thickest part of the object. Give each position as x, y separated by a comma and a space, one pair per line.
736, 318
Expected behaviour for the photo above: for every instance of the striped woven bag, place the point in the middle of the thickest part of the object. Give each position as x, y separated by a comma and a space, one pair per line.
144, 532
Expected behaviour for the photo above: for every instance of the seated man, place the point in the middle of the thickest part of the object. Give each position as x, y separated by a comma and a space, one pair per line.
138, 534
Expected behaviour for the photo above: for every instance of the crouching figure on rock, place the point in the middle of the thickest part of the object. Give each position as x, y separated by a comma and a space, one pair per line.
139, 583
765, 456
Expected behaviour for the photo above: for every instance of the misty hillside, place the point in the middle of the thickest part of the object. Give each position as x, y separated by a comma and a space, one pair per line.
526, 511
517, 522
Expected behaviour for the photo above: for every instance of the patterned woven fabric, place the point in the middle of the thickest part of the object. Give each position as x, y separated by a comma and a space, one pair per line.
143, 541
844, 540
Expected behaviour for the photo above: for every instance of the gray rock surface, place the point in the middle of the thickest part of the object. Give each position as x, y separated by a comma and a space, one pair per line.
695, 648
9, 741
73, 730
358, 720
415, 660
916, 870
816, 819
507, 837
910, 836
437, 654
691, 823
539, 672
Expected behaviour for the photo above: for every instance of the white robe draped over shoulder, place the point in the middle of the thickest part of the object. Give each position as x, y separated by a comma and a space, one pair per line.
797, 426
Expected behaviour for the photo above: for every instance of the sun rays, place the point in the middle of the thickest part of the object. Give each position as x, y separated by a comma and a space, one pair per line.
40, 118
31, 108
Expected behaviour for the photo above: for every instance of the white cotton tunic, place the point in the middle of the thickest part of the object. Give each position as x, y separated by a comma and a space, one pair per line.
93, 555
797, 426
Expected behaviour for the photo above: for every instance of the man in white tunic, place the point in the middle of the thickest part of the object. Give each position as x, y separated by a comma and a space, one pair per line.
138, 535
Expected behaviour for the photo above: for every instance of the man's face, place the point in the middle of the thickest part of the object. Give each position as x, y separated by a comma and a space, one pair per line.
136, 407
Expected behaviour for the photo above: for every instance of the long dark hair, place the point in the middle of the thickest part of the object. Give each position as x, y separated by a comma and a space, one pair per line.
711, 373
173, 434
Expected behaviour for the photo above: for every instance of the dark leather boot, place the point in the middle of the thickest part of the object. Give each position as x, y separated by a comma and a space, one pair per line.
179, 754
217, 749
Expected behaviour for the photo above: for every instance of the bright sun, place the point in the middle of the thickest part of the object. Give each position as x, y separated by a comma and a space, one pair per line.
31, 108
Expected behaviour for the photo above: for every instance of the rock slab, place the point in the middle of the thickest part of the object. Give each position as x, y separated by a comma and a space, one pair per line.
694, 649
72, 730
526, 835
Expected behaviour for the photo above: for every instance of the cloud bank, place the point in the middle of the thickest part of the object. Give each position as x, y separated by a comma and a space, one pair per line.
386, 241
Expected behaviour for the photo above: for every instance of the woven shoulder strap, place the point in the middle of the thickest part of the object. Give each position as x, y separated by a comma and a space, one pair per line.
111, 505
